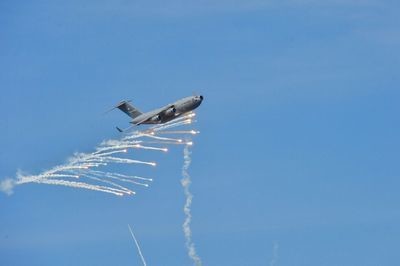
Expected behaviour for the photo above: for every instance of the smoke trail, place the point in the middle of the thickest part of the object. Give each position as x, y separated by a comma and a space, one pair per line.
114, 191
125, 160
185, 181
274, 259
193, 132
112, 184
129, 179
137, 245
7, 186
161, 138
184, 120
113, 151
100, 173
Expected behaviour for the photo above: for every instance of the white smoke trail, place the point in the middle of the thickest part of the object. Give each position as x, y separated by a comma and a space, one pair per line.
101, 173
193, 132
167, 143
274, 259
114, 191
166, 126
184, 120
115, 144
125, 160
186, 181
161, 138
108, 153
7, 185
137, 245
112, 184
125, 145
151, 148
81, 165
60, 175
113, 176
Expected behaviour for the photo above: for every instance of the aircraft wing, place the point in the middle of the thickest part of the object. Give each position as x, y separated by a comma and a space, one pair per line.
145, 119
160, 111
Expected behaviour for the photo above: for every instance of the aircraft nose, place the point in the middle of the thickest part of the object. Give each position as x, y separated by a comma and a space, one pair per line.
201, 97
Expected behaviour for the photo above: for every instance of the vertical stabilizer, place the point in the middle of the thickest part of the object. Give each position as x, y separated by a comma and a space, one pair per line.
128, 109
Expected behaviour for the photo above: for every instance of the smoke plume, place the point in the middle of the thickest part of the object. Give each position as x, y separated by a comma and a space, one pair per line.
7, 186
89, 170
275, 254
186, 181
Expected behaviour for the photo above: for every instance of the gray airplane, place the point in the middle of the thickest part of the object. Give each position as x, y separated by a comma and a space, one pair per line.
160, 115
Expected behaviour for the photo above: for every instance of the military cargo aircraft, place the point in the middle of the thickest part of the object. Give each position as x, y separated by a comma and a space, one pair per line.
160, 115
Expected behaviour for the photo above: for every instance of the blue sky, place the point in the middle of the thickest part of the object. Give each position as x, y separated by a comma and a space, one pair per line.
299, 130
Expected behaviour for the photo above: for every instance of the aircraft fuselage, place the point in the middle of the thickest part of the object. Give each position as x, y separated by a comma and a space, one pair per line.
169, 112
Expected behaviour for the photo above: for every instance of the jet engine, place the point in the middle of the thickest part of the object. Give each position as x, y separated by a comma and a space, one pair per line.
170, 111
156, 118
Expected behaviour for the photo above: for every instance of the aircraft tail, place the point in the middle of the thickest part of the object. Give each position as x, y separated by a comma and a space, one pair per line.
128, 109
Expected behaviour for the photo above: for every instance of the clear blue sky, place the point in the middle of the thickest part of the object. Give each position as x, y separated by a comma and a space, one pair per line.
299, 144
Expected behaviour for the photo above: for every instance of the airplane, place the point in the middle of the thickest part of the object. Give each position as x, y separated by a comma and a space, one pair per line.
160, 115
